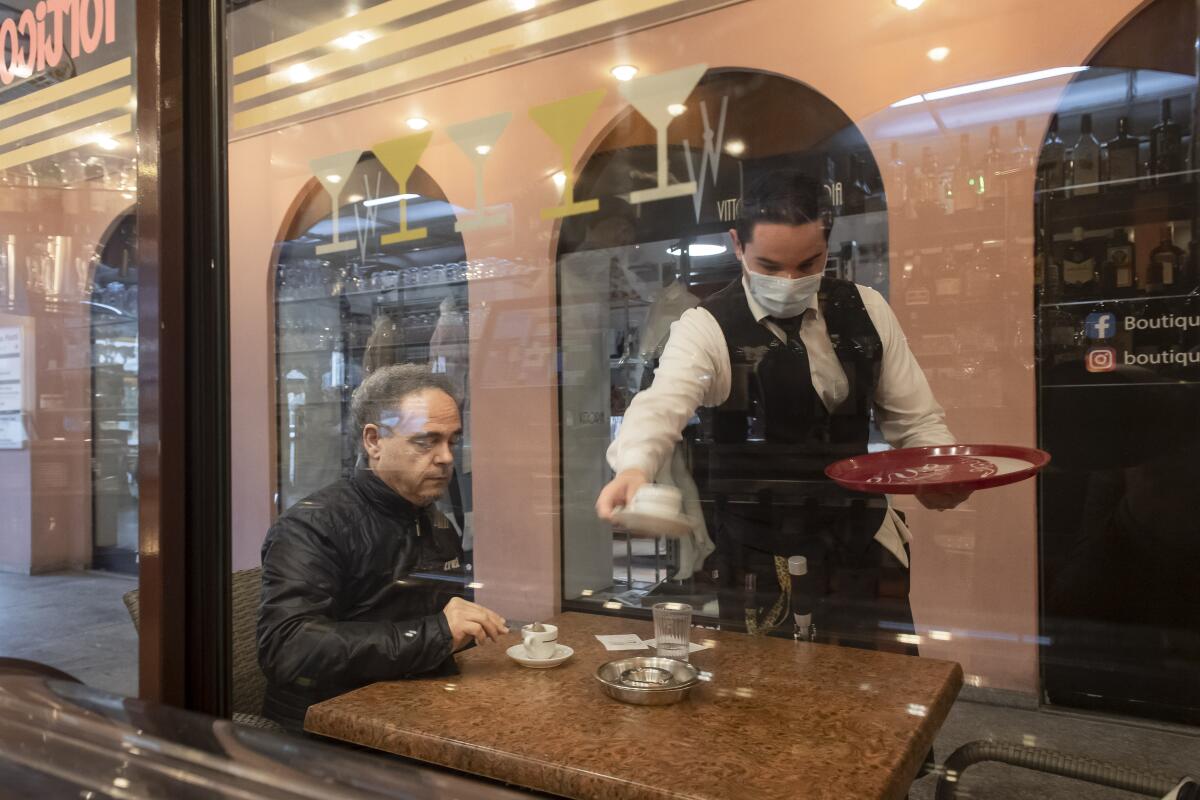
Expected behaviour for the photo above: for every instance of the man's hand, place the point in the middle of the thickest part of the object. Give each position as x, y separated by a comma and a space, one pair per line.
470, 621
941, 499
619, 492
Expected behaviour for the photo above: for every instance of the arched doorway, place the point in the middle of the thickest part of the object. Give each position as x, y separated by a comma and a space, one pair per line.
346, 304
1119, 391
628, 270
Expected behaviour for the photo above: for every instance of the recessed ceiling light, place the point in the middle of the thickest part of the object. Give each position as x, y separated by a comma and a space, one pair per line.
675, 109
417, 123
909, 5
523, 5
938, 53
354, 198
107, 142
334, 178
483, 149
735, 147
624, 72
392, 198
353, 40
698, 250
299, 73
559, 178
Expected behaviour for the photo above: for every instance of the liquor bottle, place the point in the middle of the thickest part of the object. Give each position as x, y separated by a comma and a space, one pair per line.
1166, 147
993, 171
929, 186
802, 599
1052, 161
1078, 268
898, 195
964, 183
1085, 161
916, 277
947, 278
1164, 273
1023, 156
1118, 276
980, 279
1120, 166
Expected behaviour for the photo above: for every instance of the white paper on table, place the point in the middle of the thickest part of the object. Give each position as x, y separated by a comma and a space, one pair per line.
692, 646
621, 641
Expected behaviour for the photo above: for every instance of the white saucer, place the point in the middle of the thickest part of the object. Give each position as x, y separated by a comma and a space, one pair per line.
561, 654
676, 526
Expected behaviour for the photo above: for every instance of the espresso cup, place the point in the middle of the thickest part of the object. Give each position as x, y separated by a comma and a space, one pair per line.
657, 500
539, 644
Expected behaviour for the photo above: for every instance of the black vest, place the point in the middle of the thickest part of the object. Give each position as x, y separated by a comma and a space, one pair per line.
773, 436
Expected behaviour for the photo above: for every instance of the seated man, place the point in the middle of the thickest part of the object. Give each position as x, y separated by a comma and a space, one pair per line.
350, 588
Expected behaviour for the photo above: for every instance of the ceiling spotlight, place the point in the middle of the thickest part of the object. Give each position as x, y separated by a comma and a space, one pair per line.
523, 5
909, 5
353, 40
698, 250
354, 198
334, 178
735, 147
624, 72
938, 53
107, 142
299, 73
483, 149
417, 123
675, 109
559, 178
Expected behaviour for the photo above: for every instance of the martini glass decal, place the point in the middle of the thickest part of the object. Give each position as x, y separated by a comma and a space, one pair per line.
399, 157
653, 96
477, 138
563, 121
332, 171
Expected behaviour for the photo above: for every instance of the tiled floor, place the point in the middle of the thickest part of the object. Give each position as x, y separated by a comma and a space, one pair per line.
77, 622
74, 621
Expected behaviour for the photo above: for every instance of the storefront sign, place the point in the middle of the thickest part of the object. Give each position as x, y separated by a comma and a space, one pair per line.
1162, 337
37, 39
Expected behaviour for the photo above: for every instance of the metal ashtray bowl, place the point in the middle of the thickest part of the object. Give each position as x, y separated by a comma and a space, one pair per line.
647, 680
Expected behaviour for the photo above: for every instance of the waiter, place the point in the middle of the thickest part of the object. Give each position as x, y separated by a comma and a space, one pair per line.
792, 364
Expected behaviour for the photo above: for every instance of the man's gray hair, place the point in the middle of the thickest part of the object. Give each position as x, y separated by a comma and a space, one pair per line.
386, 387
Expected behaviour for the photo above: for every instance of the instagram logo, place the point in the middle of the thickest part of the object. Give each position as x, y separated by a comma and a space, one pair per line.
1101, 359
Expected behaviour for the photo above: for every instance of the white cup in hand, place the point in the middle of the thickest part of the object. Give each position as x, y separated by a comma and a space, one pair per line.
657, 500
540, 644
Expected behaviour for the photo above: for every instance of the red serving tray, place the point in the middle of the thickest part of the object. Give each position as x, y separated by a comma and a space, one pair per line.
944, 468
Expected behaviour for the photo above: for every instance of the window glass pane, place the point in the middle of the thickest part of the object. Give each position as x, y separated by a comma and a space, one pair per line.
69, 339
731, 251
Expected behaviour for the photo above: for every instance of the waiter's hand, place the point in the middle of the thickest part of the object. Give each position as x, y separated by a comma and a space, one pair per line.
941, 499
619, 492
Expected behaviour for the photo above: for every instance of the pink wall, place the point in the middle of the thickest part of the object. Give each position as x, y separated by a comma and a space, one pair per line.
862, 54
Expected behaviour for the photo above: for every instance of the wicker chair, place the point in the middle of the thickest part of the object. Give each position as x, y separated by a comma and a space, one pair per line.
249, 683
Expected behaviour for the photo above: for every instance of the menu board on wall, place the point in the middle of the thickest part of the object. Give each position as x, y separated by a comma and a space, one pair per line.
11, 369
12, 431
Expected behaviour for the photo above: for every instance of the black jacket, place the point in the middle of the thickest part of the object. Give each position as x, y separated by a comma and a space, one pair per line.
354, 581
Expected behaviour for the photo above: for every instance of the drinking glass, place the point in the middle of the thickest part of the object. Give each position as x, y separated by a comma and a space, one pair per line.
672, 627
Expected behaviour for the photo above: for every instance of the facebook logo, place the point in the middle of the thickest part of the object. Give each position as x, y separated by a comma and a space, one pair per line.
1100, 325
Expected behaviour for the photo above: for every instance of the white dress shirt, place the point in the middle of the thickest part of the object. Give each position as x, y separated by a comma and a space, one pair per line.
694, 371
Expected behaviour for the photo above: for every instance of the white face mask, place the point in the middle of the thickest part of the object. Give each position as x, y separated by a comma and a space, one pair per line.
783, 297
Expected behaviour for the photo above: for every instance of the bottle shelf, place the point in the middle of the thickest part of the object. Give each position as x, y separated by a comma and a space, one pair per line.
1117, 208
1141, 298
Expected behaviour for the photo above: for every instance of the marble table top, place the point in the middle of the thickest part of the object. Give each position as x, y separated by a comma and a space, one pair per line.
773, 719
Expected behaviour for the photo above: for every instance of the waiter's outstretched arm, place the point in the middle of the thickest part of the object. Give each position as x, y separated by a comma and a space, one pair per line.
693, 371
